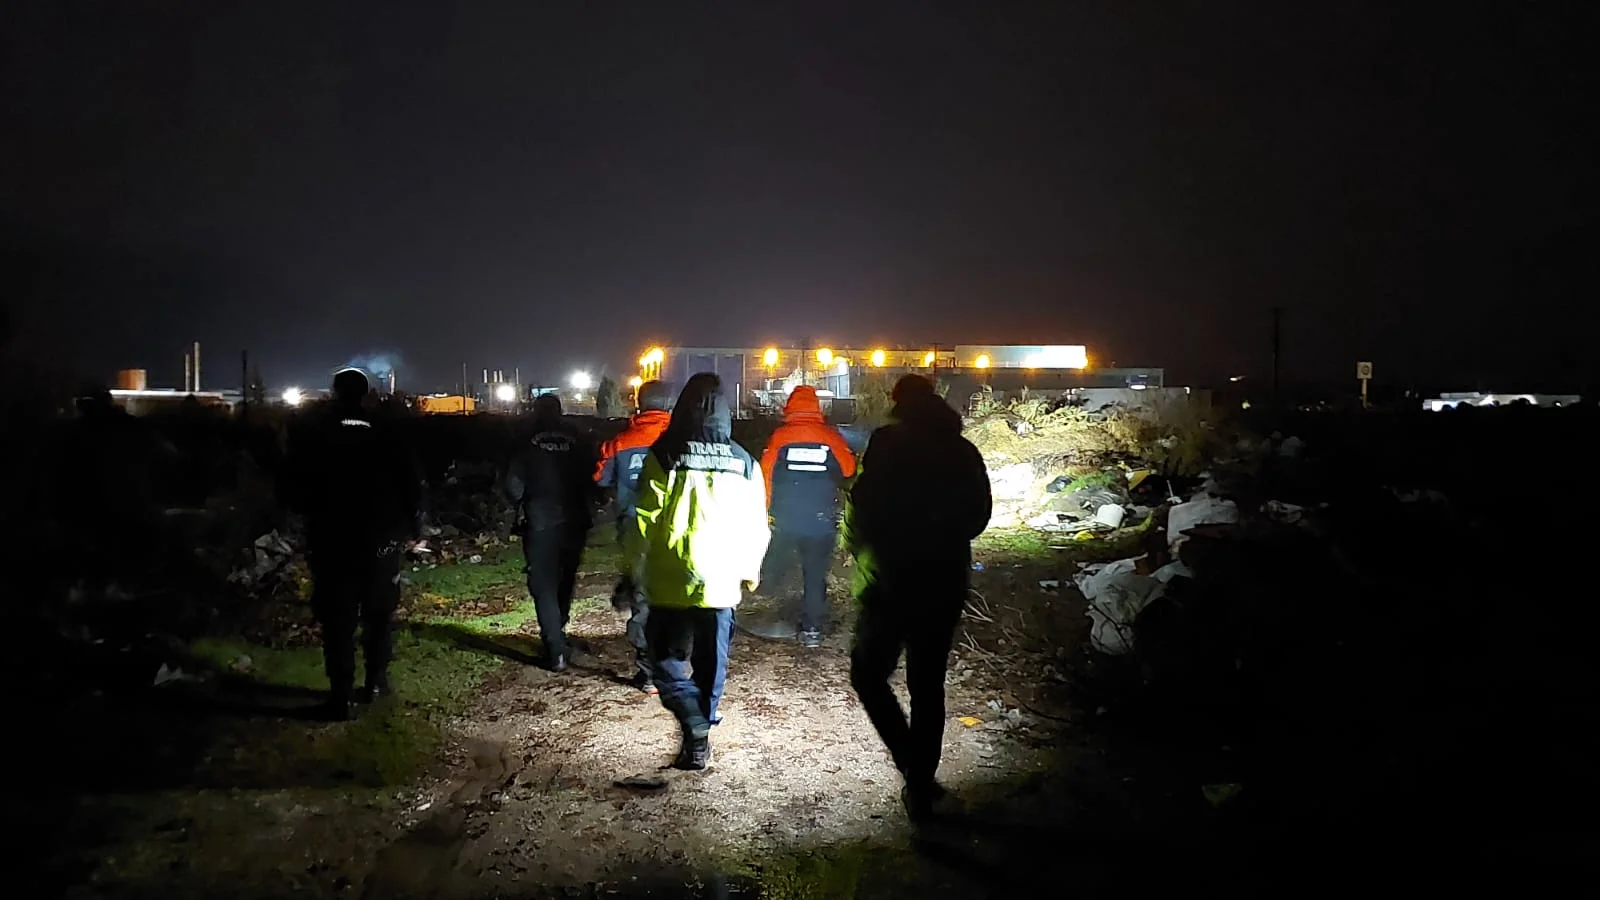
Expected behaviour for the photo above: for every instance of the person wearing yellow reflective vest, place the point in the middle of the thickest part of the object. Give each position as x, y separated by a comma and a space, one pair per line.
699, 537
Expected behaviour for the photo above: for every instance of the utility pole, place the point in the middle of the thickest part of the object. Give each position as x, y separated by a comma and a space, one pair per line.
463, 389
244, 384
1277, 353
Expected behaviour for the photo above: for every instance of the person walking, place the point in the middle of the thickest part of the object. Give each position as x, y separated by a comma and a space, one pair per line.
621, 460
806, 462
920, 497
551, 479
700, 533
360, 490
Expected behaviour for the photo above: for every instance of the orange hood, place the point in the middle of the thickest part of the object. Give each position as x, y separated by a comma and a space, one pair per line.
803, 405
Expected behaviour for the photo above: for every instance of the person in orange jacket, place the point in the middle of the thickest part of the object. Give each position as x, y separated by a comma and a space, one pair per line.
621, 460
806, 461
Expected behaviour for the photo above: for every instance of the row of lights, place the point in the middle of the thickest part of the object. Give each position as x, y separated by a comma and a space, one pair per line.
878, 357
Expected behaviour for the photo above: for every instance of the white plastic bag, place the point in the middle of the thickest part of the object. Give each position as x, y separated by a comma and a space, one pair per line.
1116, 595
1204, 509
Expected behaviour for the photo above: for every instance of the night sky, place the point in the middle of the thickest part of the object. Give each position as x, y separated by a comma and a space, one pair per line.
554, 185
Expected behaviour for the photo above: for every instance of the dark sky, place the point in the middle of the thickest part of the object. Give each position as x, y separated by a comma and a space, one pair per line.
549, 185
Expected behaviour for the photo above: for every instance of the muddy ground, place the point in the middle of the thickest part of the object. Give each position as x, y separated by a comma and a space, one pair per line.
490, 777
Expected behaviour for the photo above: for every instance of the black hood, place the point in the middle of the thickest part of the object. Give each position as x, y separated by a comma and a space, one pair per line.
928, 411
701, 414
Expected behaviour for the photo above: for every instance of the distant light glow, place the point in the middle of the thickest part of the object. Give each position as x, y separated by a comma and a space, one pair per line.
982, 362
1236, 378
293, 396
928, 359
654, 356
825, 356
505, 393
635, 382
581, 380
770, 358
878, 357
1070, 356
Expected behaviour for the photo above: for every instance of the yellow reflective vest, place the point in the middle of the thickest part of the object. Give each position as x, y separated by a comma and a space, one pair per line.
701, 529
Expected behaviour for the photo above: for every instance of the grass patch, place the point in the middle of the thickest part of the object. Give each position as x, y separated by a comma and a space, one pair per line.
1020, 545
1015, 545
500, 571
390, 743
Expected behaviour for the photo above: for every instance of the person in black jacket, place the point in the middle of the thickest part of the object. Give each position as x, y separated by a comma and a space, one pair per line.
551, 477
921, 496
359, 488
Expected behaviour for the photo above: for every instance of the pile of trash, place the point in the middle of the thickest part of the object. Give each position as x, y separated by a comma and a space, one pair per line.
1064, 469
1118, 592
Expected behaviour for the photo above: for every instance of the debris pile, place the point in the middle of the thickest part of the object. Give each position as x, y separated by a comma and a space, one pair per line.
1061, 468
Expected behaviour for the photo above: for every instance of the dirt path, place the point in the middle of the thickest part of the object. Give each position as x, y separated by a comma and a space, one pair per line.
551, 786
798, 768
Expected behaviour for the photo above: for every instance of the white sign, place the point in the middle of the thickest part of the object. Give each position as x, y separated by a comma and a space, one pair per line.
1363, 370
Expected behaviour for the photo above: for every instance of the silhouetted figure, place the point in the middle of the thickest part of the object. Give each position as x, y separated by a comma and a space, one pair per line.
358, 486
805, 463
701, 531
621, 461
551, 478
921, 496
106, 492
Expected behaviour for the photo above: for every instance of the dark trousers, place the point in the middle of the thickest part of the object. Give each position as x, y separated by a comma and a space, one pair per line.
689, 649
638, 622
552, 556
921, 622
816, 558
351, 588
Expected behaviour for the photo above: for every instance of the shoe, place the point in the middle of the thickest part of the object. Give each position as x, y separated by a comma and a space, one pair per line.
920, 802
557, 663
810, 638
695, 755
376, 688
643, 682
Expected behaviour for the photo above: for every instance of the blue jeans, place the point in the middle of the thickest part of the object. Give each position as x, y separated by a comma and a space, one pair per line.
815, 553
689, 651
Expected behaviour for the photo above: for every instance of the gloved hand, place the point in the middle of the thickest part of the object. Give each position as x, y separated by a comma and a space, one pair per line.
622, 595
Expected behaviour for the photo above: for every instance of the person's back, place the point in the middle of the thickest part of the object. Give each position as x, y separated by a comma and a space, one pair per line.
359, 488
922, 494
921, 497
622, 457
701, 530
550, 473
550, 478
805, 461
351, 479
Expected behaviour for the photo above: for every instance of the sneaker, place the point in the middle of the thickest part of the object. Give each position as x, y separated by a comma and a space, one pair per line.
376, 688
695, 756
557, 663
643, 682
810, 638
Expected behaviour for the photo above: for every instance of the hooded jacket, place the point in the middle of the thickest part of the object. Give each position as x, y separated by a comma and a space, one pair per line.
354, 479
622, 457
701, 524
921, 496
805, 462
551, 475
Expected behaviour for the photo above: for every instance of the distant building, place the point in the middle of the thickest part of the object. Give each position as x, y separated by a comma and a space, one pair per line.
760, 378
1474, 398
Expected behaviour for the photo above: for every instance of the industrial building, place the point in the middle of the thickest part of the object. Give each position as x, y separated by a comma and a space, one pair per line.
758, 379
